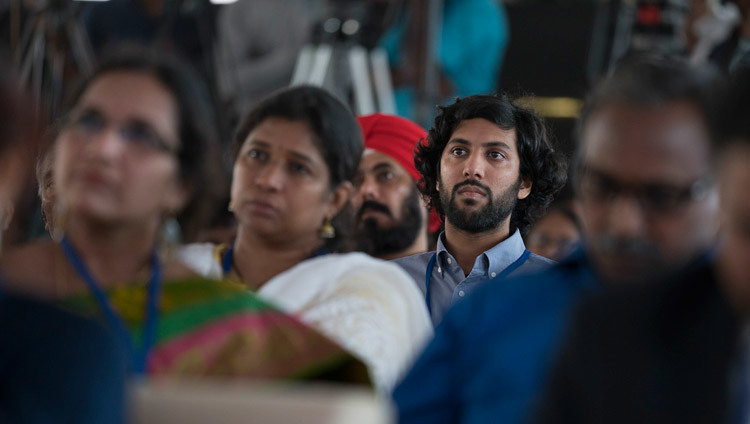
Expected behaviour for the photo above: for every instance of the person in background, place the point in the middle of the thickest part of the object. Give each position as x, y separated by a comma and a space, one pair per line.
648, 206
677, 350
55, 367
181, 29
469, 49
391, 219
133, 151
557, 233
489, 171
257, 44
296, 155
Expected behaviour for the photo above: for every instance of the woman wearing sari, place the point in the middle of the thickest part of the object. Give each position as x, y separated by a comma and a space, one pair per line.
133, 152
296, 154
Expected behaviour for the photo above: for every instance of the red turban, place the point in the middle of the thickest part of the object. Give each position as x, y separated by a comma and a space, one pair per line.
396, 137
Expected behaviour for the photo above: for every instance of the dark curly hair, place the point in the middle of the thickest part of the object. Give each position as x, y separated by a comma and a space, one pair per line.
540, 162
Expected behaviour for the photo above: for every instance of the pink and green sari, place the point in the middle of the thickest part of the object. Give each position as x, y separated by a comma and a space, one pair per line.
218, 329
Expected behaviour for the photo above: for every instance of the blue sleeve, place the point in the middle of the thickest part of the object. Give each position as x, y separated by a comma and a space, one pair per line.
491, 354
428, 392
58, 368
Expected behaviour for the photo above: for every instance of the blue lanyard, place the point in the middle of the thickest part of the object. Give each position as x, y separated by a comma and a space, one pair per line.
139, 358
227, 261
428, 274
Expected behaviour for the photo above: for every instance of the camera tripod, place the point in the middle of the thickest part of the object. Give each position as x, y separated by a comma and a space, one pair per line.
349, 70
52, 46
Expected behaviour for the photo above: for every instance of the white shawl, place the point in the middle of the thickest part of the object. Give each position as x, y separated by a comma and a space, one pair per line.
369, 306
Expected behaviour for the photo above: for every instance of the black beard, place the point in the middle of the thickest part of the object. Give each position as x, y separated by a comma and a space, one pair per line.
486, 219
379, 242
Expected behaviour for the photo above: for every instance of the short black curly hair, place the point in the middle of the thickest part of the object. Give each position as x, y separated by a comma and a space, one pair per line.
541, 164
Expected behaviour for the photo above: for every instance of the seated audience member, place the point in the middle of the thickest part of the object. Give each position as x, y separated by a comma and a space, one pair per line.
648, 207
677, 351
133, 150
557, 233
391, 219
296, 155
54, 367
469, 44
489, 170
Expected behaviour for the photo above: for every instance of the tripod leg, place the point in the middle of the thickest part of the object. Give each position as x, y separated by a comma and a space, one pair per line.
32, 65
80, 47
381, 75
303, 65
15, 27
321, 65
360, 76
29, 32
25, 54
313, 63
57, 68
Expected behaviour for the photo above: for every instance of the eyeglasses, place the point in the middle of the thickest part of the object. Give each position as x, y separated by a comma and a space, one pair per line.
656, 198
137, 135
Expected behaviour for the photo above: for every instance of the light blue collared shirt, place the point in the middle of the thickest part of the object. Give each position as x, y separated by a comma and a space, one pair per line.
448, 283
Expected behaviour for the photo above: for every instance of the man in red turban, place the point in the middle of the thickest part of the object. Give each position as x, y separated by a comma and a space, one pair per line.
392, 220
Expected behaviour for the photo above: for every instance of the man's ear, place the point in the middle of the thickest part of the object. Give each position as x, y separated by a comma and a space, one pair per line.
437, 175
525, 189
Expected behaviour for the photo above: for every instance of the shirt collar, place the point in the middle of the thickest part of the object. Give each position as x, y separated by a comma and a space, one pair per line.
505, 253
495, 259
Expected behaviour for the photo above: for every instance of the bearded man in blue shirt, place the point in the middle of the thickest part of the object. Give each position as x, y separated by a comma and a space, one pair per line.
489, 170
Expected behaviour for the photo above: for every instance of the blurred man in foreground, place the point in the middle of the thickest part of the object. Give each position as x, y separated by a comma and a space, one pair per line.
676, 351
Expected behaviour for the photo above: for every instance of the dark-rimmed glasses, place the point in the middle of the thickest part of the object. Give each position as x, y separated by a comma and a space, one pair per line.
655, 198
136, 134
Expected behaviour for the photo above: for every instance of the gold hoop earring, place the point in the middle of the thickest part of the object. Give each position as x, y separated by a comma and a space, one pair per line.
327, 231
